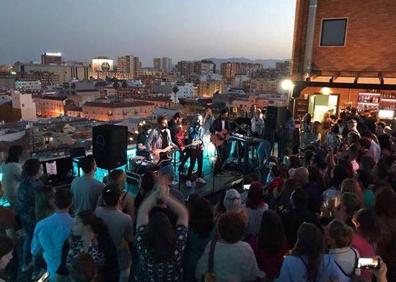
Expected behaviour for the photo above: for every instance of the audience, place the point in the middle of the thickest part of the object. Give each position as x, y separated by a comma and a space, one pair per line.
385, 209
90, 235
11, 171
233, 259
8, 222
160, 246
51, 232
308, 262
297, 215
25, 206
117, 177
255, 207
83, 269
339, 238
86, 189
365, 236
201, 231
6, 249
331, 203
271, 245
120, 227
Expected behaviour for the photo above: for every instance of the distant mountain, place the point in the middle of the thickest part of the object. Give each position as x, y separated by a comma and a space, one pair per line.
268, 63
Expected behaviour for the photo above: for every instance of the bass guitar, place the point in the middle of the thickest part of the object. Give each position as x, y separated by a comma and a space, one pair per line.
219, 138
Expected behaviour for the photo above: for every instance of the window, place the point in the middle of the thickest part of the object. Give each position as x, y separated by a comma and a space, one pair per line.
333, 32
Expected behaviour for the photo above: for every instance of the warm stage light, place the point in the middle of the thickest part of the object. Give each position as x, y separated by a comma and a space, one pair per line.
325, 90
286, 85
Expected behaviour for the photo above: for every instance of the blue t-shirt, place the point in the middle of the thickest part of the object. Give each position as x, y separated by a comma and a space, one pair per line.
295, 269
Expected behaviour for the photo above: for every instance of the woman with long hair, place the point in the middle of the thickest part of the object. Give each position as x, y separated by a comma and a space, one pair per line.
90, 236
160, 246
201, 231
255, 207
118, 179
365, 238
271, 244
307, 261
11, 171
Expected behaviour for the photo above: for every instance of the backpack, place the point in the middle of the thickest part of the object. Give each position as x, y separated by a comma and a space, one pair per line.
352, 275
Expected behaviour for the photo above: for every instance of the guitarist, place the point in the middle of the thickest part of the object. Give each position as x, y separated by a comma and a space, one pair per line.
196, 135
220, 130
159, 142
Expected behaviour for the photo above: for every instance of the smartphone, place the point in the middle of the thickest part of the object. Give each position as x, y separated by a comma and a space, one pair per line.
368, 263
43, 278
246, 186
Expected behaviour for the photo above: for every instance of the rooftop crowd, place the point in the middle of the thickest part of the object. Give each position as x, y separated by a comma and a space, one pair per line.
324, 206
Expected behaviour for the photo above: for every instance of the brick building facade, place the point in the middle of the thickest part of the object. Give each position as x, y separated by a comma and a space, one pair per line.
345, 50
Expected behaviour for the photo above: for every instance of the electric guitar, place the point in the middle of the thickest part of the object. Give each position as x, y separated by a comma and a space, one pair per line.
219, 138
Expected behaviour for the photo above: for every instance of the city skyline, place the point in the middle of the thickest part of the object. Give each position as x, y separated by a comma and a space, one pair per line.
176, 29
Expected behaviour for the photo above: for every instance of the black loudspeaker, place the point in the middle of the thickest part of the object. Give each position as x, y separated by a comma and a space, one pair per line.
109, 144
276, 116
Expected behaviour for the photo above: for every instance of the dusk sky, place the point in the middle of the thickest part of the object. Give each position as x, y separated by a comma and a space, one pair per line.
180, 29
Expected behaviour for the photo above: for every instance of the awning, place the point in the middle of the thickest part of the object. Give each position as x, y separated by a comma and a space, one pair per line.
344, 79
390, 80
301, 85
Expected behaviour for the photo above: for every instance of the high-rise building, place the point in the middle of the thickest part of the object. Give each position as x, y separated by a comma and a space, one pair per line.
185, 68
163, 64
128, 64
229, 70
204, 67
51, 58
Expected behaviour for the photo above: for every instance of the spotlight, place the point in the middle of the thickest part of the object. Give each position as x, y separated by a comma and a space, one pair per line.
286, 85
325, 90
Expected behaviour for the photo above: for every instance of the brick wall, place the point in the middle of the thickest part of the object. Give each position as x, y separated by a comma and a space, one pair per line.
370, 43
370, 36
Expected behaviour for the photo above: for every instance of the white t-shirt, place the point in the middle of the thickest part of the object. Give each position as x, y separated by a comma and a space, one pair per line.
222, 124
232, 263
